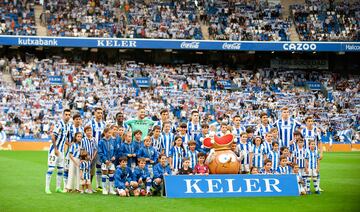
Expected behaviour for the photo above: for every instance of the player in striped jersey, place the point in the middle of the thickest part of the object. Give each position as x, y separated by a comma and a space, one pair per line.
167, 138
223, 130
267, 144
164, 117
237, 128
310, 132
299, 156
286, 127
284, 151
106, 152
89, 144
274, 155
312, 166
85, 176
74, 128
299, 179
283, 168
74, 171
264, 127
56, 152
184, 135
156, 139
246, 148
193, 126
257, 154
176, 155
192, 153
97, 126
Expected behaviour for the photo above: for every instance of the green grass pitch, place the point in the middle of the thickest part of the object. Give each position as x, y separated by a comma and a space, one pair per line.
22, 179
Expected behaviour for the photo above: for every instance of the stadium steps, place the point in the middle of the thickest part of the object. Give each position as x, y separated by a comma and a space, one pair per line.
7, 78
294, 36
40, 29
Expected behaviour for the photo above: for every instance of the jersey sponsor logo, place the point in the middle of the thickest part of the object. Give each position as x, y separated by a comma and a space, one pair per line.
190, 45
299, 46
232, 46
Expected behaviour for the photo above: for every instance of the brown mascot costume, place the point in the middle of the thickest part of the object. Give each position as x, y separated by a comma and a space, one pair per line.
221, 159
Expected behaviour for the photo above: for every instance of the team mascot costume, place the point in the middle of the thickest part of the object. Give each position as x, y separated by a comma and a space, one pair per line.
221, 159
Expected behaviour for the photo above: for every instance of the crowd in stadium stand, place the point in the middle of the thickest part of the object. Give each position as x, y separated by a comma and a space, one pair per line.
166, 20
84, 18
17, 18
323, 21
245, 20
30, 108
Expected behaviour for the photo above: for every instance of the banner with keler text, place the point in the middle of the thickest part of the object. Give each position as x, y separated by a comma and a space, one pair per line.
192, 186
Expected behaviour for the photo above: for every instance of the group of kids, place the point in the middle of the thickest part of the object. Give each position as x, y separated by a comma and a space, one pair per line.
127, 163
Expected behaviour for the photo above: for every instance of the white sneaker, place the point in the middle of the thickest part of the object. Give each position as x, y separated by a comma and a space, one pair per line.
112, 192
105, 192
81, 192
321, 189
88, 191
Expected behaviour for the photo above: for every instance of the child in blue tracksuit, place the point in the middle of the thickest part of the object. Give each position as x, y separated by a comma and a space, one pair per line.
149, 153
123, 177
129, 149
106, 152
160, 170
117, 142
142, 179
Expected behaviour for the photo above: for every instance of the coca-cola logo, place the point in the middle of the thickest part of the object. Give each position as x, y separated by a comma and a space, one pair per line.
234, 46
190, 45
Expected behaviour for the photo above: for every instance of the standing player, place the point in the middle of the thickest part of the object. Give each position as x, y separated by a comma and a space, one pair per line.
237, 128
141, 123
184, 135
97, 126
200, 138
167, 138
193, 126
88, 143
264, 127
245, 147
310, 132
56, 152
286, 127
107, 158
120, 120
312, 166
74, 128
156, 139
257, 154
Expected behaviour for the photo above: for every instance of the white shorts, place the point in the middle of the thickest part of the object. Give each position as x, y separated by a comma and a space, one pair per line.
110, 167
67, 163
312, 173
245, 168
56, 161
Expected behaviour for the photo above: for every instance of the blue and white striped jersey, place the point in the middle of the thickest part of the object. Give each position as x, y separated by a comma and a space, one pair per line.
71, 134
85, 167
89, 145
258, 156
267, 147
97, 129
300, 154
157, 143
60, 132
310, 135
167, 142
275, 159
262, 130
286, 129
312, 158
176, 154
283, 170
75, 150
193, 130
247, 147
237, 131
185, 139
192, 155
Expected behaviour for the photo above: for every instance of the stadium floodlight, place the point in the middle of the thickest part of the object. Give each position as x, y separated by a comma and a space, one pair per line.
40, 48
122, 50
174, 52
94, 50
13, 47
251, 52
1, 46
147, 50
341, 53
199, 52
84, 49
168, 50
68, 49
